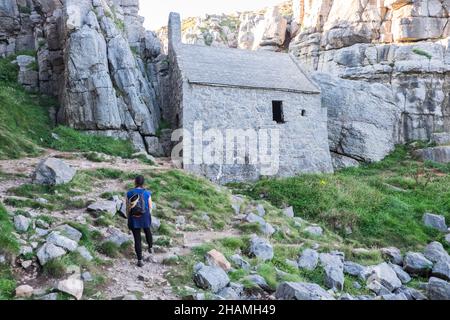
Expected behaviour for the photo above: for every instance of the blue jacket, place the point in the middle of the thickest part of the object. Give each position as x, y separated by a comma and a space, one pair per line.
146, 220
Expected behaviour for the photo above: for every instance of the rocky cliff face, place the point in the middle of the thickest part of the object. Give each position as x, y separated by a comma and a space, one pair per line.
403, 44
268, 29
96, 57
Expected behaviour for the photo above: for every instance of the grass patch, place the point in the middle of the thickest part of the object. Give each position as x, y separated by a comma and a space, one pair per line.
72, 140
8, 243
63, 197
24, 120
192, 193
359, 198
7, 283
55, 268
25, 126
109, 249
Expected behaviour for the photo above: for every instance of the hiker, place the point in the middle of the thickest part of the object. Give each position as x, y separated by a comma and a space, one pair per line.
139, 204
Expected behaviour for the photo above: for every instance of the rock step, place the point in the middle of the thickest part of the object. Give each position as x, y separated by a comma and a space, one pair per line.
441, 138
437, 154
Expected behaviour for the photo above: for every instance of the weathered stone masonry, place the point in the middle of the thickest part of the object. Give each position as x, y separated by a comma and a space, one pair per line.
237, 92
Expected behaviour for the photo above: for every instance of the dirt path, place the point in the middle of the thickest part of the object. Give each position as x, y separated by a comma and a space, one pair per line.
123, 276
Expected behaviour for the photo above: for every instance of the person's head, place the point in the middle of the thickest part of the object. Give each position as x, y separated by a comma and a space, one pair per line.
139, 181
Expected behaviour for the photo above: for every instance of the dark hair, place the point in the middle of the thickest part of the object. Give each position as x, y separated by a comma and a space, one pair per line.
139, 181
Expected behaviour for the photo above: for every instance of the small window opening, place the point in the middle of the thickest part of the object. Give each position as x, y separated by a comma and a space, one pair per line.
303, 113
277, 111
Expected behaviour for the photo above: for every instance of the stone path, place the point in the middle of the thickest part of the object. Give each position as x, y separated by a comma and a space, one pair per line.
124, 278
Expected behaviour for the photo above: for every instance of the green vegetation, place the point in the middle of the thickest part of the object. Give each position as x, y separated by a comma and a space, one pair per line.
63, 197
24, 121
72, 140
8, 243
274, 272
423, 53
7, 283
25, 125
195, 196
109, 249
382, 203
24, 9
54, 269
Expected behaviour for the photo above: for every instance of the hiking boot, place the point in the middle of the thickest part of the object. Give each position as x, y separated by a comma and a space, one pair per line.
150, 250
140, 264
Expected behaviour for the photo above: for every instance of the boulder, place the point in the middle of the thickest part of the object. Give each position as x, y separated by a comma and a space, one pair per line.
24, 291
21, 223
229, 294
301, 291
268, 229
236, 203
85, 254
49, 252
58, 240
49, 297
211, 278
376, 287
257, 281
435, 252
118, 237
217, 259
70, 232
386, 276
260, 210
442, 270
438, 289
308, 260
393, 255
289, 212
394, 297
447, 238
435, 221
52, 171
41, 232
334, 270
72, 286
103, 206
87, 277
437, 154
314, 231
265, 227
362, 117
261, 249
240, 262
415, 263
410, 293
354, 269
401, 274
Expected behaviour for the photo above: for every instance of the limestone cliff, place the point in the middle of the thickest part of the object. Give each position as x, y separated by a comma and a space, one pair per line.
403, 44
96, 57
267, 29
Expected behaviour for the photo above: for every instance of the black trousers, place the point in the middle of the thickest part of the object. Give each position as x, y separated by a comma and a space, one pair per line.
138, 240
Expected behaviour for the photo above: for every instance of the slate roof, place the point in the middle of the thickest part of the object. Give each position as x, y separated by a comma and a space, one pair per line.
243, 68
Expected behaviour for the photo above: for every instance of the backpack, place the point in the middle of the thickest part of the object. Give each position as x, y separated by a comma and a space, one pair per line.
137, 205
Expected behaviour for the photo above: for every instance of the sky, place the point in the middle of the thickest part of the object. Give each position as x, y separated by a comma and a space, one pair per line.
156, 13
